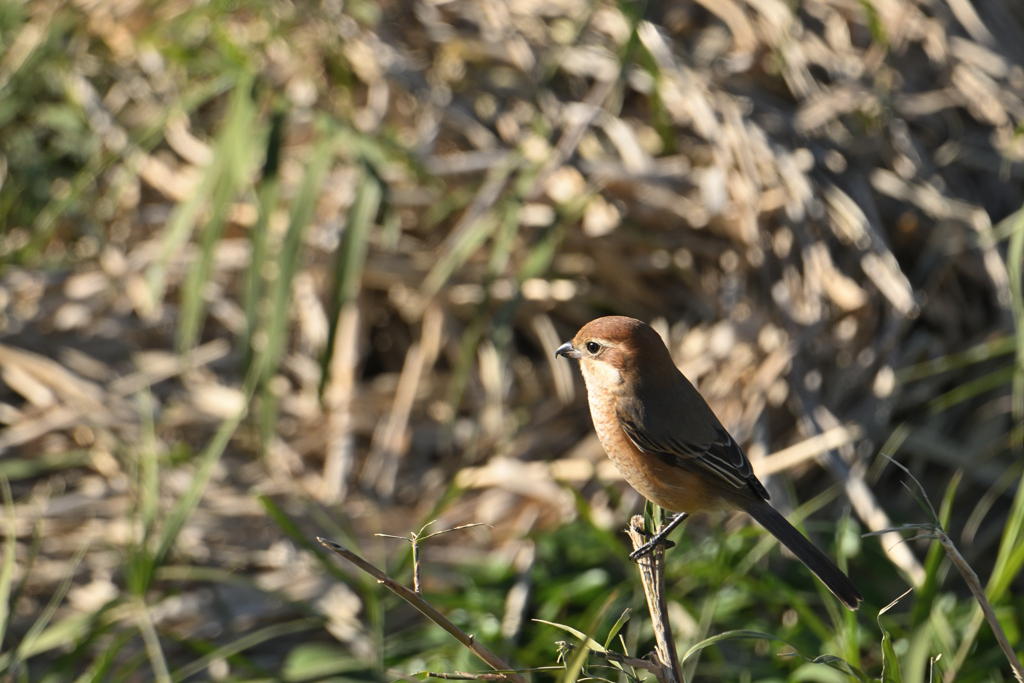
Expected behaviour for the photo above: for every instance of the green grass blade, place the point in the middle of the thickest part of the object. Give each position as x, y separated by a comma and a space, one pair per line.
925, 596
287, 259
1010, 477
39, 638
504, 239
142, 139
969, 390
458, 252
179, 228
890, 663
583, 637
464, 364
278, 310
68, 630
352, 255
185, 505
149, 465
151, 639
267, 195
232, 156
10, 553
300, 538
980, 353
538, 261
740, 634
98, 671
579, 658
348, 272
1011, 551
840, 664
145, 469
15, 469
247, 641
325, 662
876, 26
1010, 558
1015, 259
617, 626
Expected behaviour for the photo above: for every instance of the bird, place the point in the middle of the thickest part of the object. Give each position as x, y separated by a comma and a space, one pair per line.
668, 443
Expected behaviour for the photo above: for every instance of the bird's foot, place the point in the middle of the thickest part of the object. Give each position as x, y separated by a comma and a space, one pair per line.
659, 539
648, 548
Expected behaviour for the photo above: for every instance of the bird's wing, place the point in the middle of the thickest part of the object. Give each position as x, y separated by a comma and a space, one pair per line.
721, 459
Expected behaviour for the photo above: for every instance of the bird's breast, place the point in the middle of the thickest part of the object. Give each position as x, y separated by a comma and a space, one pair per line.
673, 488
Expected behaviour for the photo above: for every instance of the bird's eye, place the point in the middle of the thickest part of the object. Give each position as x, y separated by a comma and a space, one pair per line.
593, 347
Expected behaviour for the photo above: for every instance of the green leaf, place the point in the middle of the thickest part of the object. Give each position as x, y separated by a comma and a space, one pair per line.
741, 634
583, 637
890, 664
617, 626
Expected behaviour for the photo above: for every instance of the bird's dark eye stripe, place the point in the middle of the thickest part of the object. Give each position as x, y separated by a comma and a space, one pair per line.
593, 347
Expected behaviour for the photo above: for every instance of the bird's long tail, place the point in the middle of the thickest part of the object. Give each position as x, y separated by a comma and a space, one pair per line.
833, 577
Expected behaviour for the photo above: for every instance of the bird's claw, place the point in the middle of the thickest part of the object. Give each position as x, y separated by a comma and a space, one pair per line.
648, 548
659, 539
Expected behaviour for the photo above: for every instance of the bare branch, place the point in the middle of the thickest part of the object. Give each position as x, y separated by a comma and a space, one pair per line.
427, 610
652, 574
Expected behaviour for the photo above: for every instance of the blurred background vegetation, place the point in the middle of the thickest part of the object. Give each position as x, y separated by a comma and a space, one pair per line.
272, 270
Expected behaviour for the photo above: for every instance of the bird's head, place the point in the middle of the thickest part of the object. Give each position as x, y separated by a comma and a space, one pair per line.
618, 348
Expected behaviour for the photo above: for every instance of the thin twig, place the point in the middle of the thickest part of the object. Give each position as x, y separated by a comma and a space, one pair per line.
417, 537
652, 574
966, 571
416, 585
979, 594
426, 610
463, 676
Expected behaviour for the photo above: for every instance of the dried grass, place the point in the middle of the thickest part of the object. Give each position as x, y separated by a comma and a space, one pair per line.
802, 202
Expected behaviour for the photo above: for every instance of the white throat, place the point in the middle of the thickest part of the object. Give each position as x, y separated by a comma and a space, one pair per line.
597, 374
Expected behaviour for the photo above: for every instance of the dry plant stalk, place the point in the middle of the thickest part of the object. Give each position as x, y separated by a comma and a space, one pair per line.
463, 676
652, 574
417, 537
971, 578
427, 610
935, 530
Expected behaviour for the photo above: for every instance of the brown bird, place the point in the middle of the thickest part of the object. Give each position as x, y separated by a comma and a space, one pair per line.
669, 445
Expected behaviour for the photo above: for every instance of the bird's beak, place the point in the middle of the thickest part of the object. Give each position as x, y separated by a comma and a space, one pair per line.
567, 350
